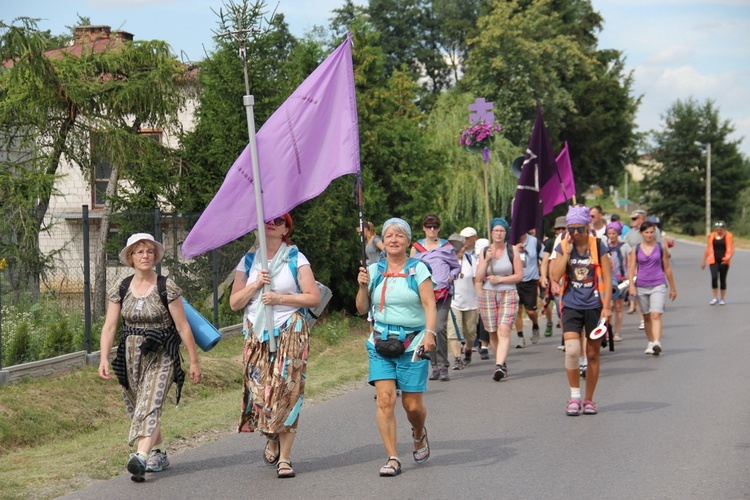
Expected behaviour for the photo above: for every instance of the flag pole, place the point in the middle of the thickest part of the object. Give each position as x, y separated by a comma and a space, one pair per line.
249, 102
360, 207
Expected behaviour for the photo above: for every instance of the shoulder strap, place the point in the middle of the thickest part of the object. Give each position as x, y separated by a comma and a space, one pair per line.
161, 285
420, 248
124, 285
293, 252
509, 249
249, 260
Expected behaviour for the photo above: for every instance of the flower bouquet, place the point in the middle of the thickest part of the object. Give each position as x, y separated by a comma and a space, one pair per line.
479, 137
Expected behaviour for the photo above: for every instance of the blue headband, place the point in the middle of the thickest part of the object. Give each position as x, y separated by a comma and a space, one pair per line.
401, 224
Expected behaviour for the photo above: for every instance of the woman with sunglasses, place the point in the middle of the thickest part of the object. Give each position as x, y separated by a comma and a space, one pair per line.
582, 262
441, 256
718, 254
274, 384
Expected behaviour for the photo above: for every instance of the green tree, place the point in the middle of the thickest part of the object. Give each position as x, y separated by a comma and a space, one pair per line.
52, 105
675, 183
545, 51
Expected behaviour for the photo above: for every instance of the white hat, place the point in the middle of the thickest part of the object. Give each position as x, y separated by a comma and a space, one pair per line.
136, 238
468, 232
481, 244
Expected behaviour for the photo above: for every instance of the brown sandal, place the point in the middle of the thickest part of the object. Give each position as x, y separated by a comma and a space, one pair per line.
269, 456
284, 471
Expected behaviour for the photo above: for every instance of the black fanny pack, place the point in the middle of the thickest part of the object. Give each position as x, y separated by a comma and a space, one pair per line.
392, 347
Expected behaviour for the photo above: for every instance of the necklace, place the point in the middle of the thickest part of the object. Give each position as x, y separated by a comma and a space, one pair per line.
140, 295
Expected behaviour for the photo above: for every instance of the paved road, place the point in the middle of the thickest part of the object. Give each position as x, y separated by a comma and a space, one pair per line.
670, 427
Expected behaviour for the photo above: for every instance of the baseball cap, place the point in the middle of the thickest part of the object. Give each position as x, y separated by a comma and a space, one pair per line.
638, 213
468, 232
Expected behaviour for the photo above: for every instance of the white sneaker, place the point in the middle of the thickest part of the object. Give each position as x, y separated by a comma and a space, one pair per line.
649, 348
722, 303
642, 326
656, 347
713, 302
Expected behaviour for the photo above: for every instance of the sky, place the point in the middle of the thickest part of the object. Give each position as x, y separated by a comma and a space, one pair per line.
676, 49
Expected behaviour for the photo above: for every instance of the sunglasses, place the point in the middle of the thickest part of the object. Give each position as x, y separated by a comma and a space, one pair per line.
278, 221
432, 227
577, 229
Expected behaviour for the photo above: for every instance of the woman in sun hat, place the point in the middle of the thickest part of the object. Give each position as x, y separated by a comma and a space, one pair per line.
148, 355
718, 254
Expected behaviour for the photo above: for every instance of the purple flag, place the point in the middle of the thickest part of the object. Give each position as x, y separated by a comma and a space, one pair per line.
561, 187
310, 140
538, 168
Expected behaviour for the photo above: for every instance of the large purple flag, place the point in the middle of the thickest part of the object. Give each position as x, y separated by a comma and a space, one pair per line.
310, 140
538, 168
561, 187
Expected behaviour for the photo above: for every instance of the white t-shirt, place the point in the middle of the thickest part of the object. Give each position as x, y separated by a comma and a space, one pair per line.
465, 296
283, 283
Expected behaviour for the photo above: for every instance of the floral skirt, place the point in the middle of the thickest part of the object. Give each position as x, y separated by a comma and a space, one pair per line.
150, 376
274, 386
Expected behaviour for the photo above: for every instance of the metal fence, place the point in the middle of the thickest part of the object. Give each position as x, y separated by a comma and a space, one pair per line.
53, 310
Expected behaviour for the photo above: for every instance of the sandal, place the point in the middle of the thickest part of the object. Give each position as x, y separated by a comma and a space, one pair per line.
270, 456
283, 471
589, 408
390, 471
421, 455
574, 408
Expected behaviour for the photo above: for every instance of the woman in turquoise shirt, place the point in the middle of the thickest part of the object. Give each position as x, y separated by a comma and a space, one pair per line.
398, 291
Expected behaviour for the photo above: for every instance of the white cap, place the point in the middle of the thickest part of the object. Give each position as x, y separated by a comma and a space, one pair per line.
468, 232
481, 244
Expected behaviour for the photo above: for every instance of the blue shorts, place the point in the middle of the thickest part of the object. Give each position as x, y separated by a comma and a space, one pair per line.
410, 376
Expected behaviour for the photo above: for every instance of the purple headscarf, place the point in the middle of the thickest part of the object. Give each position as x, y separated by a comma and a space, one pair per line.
616, 225
578, 215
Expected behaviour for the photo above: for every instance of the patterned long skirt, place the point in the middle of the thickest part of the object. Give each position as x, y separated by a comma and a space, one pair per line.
274, 387
150, 376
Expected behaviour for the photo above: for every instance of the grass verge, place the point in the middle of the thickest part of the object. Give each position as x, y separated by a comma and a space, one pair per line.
79, 417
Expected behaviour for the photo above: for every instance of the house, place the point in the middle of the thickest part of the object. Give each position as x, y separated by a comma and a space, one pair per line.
74, 189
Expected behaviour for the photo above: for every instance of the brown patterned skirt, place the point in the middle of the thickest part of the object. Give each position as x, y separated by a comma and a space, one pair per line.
150, 376
274, 387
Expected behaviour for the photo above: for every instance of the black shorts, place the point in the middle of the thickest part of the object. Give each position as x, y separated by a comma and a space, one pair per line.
575, 320
527, 294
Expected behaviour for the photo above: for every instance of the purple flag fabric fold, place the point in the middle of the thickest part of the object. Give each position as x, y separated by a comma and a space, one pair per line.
559, 189
310, 140
538, 168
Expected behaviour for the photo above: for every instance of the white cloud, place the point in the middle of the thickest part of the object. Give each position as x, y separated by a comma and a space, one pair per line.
673, 54
126, 3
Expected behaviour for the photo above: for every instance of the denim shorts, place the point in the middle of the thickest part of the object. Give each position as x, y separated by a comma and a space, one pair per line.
410, 376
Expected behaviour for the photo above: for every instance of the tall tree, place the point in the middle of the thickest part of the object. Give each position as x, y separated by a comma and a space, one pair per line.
675, 182
545, 50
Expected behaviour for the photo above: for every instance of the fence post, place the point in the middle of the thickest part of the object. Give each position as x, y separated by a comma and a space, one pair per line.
157, 234
86, 280
215, 261
2, 272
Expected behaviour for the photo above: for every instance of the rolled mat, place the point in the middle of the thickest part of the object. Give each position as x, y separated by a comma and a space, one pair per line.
205, 333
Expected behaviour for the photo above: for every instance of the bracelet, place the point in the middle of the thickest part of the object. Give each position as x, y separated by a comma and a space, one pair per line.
432, 332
